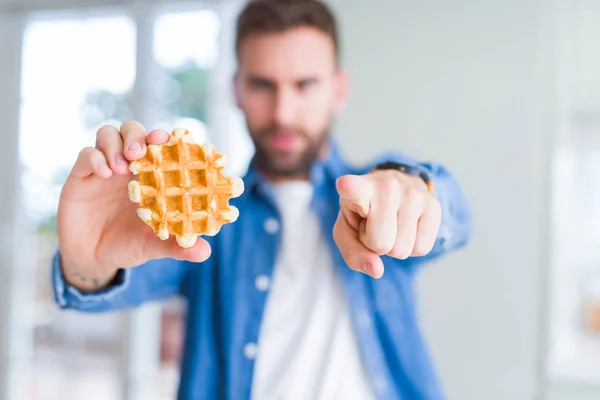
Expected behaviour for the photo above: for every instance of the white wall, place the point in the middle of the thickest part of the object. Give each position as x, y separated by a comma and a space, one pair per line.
470, 84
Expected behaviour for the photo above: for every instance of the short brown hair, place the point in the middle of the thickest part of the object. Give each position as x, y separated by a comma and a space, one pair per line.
274, 16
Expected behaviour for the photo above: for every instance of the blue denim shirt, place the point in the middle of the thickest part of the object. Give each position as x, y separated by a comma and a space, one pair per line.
225, 305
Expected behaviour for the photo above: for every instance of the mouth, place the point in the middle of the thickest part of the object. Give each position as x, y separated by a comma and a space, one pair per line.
284, 141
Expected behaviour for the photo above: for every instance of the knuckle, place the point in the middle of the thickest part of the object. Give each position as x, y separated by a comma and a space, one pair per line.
389, 184
435, 205
413, 196
105, 130
128, 124
433, 202
105, 135
380, 246
401, 252
86, 153
131, 127
87, 150
419, 253
421, 249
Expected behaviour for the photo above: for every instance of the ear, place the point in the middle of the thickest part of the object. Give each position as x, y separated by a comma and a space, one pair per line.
341, 90
237, 90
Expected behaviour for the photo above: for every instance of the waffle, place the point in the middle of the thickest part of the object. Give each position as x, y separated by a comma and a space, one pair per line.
181, 190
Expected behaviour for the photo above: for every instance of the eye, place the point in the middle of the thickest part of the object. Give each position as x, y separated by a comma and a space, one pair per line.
307, 84
261, 84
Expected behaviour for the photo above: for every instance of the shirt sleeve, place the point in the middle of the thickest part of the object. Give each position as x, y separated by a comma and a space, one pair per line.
456, 226
154, 280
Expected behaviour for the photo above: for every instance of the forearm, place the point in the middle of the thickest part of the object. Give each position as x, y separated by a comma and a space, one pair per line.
84, 279
128, 288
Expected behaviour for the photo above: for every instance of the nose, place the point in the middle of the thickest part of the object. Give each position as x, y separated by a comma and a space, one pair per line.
285, 107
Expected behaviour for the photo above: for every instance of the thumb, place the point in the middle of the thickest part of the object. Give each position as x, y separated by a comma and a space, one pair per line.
156, 249
355, 193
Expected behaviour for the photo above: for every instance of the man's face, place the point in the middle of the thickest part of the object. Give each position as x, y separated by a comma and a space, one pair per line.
289, 88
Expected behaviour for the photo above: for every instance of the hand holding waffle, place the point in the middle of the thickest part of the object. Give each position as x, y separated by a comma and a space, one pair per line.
384, 213
182, 191
98, 227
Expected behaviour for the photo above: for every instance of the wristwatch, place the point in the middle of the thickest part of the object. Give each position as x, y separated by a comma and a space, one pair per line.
407, 169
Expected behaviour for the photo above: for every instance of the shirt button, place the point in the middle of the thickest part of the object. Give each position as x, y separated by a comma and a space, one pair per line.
262, 283
250, 350
271, 226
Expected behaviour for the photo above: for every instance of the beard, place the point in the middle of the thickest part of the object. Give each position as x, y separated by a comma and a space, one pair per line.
276, 163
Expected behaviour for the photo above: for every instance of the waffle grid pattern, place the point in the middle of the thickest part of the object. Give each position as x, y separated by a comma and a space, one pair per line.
182, 191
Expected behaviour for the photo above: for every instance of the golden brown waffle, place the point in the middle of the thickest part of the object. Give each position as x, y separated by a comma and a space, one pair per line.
181, 190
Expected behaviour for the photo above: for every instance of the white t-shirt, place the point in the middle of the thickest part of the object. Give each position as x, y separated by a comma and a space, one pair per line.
306, 348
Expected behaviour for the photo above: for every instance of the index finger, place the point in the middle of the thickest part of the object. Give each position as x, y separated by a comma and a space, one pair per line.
355, 193
356, 255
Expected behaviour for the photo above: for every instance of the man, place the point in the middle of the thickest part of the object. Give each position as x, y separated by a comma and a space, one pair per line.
274, 312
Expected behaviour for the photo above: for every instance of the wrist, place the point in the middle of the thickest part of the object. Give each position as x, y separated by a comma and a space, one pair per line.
84, 279
418, 176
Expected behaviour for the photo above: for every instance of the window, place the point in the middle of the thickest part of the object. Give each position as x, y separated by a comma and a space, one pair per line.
184, 66
80, 69
574, 340
68, 68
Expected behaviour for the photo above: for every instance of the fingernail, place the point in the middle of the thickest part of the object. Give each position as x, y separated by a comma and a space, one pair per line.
366, 268
135, 146
102, 166
120, 160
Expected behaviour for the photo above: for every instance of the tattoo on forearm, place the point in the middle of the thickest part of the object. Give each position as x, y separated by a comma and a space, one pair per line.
79, 276
96, 282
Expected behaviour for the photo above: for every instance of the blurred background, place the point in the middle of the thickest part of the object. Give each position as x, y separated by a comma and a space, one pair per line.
505, 93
